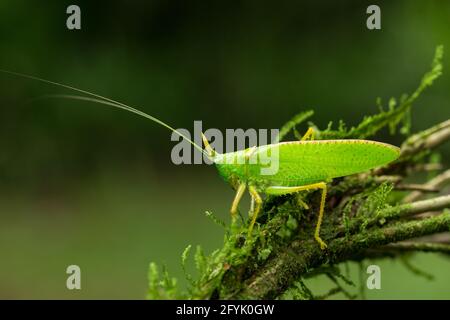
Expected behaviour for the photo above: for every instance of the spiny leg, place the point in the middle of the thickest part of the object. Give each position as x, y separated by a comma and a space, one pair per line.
237, 198
256, 207
323, 245
309, 134
279, 190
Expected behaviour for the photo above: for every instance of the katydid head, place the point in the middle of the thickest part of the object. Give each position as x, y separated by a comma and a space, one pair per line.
226, 171
231, 167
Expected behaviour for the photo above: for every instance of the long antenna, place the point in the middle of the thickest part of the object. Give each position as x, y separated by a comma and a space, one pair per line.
105, 101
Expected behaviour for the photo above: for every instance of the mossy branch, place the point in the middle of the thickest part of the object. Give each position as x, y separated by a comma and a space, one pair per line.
414, 246
400, 211
302, 256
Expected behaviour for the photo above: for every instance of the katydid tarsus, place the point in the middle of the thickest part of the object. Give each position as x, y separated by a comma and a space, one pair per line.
306, 164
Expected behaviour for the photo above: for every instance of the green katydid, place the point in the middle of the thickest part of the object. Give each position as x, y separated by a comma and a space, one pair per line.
303, 165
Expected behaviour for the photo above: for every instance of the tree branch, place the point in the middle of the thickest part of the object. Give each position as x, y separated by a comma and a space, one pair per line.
302, 256
427, 140
397, 212
418, 246
436, 182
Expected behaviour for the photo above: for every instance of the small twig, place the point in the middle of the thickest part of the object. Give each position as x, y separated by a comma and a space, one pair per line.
426, 140
381, 179
418, 246
416, 187
414, 269
423, 215
362, 287
400, 211
436, 182
437, 238
347, 294
332, 292
413, 208
425, 167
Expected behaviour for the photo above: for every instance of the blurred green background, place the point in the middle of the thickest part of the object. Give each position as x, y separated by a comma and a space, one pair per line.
88, 185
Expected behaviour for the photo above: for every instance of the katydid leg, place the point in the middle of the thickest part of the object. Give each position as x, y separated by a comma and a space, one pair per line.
308, 135
280, 190
256, 207
237, 198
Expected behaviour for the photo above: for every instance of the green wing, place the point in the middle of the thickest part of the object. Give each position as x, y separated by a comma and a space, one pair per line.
306, 162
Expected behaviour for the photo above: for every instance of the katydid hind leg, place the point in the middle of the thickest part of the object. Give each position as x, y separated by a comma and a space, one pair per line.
280, 190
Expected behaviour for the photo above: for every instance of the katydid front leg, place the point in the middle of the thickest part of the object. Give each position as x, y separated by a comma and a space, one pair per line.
237, 198
257, 203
